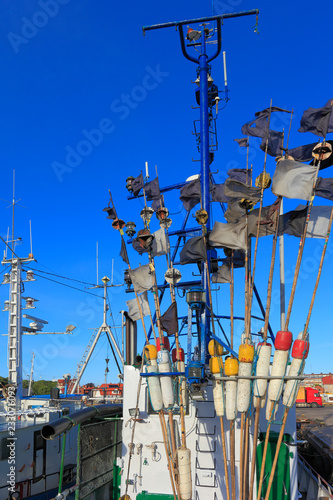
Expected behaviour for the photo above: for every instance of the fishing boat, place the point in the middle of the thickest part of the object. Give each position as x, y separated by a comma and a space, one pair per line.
207, 414
29, 464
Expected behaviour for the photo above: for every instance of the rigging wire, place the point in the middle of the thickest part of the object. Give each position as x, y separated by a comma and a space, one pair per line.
63, 277
68, 286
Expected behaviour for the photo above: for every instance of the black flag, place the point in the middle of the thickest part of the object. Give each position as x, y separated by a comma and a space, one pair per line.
319, 121
169, 320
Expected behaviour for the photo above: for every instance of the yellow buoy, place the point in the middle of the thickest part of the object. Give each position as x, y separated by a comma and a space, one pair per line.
150, 351
246, 353
231, 367
214, 348
216, 364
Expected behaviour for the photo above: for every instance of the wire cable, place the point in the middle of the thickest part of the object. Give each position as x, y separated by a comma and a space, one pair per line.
69, 286
63, 277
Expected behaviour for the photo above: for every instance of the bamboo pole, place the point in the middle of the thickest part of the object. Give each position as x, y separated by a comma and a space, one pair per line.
246, 460
241, 457
170, 465
278, 446
254, 451
224, 451
232, 422
262, 470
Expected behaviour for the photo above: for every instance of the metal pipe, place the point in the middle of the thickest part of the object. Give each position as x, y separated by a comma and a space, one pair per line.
200, 20
50, 431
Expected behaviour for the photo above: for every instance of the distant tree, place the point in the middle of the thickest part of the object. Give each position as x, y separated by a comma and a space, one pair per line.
4, 380
90, 384
25, 384
41, 387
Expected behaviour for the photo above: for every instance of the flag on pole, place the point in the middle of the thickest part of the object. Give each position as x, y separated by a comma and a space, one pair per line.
319, 121
222, 275
293, 222
267, 220
236, 189
133, 308
152, 190
159, 243
324, 188
243, 142
169, 320
123, 252
293, 179
137, 184
194, 250
239, 174
190, 194
141, 278
217, 193
228, 235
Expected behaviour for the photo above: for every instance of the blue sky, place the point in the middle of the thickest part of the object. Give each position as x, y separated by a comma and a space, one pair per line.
86, 100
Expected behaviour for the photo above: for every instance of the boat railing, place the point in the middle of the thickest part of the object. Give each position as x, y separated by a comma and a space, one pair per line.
322, 483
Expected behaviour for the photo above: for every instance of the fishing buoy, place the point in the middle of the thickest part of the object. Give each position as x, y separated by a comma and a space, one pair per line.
300, 349
218, 395
150, 351
166, 343
244, 387
216, 364
262, 401
299, 353
268, 409
245, 356
283, 341
230, 369
181, 354
214, 348
154, 386
278, 370
185, 476
246, 353
164, 366
291, 388
262, 368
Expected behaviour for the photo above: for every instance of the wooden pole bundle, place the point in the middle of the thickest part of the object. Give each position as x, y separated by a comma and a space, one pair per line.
304, 335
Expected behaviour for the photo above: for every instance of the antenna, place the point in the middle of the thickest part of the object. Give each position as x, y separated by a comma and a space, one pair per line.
225, 68
13, 214
112, 272
147, 173
30, 239
97, 261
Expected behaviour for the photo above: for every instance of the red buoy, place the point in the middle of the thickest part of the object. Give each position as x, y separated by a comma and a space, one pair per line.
181, 354
283, 341
166, 343
300, 349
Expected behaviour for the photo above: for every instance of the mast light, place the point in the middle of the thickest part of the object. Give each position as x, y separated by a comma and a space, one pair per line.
130, 229
196, 298
6, 279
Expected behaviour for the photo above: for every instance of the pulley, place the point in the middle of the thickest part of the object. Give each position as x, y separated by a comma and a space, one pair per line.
172, 276
201, 216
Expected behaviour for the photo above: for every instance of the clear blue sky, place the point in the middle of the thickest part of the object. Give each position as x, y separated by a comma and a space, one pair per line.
70, 67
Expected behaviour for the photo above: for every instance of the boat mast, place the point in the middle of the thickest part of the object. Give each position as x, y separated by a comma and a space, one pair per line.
31, 374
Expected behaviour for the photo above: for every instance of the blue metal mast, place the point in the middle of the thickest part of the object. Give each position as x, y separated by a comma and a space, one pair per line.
203, 73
